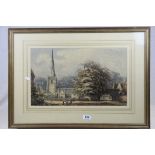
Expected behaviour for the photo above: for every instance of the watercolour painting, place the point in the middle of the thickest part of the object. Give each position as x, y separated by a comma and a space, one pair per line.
79, 76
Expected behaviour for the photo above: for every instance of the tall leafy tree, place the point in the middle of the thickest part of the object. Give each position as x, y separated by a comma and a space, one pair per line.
92, 81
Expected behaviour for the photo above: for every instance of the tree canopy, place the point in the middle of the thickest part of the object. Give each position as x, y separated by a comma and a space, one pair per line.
92, 80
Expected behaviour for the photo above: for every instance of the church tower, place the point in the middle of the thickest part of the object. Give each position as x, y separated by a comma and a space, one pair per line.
52, 80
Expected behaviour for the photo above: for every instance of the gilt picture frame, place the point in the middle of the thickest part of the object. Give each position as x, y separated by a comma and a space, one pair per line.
95, 77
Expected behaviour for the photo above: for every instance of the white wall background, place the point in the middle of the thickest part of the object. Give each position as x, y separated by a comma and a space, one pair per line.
74, 13
4, 77
152, 77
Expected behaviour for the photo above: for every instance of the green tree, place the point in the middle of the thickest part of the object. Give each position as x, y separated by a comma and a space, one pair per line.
92, 81
36, 99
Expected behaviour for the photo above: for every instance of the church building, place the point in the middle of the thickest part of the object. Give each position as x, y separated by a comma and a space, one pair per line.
52, 86
52, 80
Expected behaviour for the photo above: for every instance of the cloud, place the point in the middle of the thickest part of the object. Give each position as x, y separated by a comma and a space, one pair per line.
69, 60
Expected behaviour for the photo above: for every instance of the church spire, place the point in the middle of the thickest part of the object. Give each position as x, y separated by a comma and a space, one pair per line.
52, 65
52, 80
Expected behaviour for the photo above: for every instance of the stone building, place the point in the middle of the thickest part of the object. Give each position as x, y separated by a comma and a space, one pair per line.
32, 78
52, 80
52, 87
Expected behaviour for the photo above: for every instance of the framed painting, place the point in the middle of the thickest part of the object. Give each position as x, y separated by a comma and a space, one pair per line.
79, 77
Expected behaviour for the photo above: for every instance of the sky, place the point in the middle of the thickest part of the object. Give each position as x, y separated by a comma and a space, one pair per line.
69, 60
